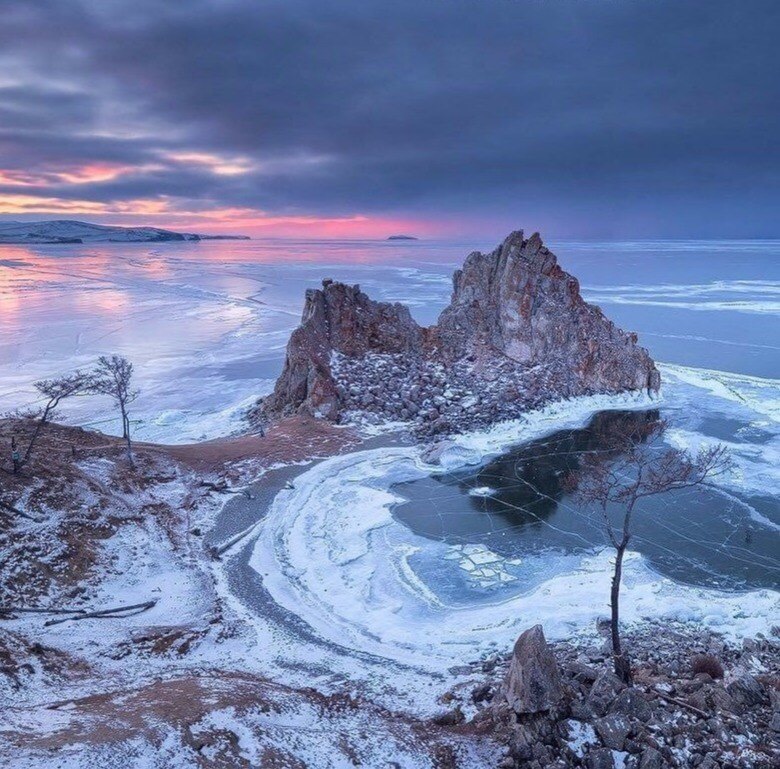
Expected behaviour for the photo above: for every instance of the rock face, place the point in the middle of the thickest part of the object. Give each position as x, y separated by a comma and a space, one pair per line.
673, 717
533, 682
516, 335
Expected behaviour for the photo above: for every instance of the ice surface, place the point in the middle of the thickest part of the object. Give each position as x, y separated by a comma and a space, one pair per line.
331, 552
206, 324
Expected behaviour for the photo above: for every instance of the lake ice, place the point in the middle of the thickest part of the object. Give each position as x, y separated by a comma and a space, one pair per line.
206, 326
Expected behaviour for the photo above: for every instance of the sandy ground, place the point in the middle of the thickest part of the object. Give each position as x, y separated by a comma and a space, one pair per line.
291, 440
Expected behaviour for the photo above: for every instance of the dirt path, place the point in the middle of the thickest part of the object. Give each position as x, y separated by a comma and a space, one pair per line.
292, 440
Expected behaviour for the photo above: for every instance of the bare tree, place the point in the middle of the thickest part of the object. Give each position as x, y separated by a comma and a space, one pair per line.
633, 468
54, 391
113, 376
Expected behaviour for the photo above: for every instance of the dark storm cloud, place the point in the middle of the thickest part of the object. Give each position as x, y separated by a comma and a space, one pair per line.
659, 112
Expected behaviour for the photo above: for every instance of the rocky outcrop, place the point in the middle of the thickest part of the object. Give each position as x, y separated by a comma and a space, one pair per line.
338, 319
519, 303
567, 709
533, 682
516, 334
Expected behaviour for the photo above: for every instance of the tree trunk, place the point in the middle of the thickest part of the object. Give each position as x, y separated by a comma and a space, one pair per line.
15, 456
36, 433
126, 436
622, 664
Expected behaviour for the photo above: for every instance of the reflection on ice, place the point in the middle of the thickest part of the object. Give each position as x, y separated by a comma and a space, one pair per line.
333, 552
206, 323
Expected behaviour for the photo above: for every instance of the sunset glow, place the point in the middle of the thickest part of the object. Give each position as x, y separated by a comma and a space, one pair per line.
235, 125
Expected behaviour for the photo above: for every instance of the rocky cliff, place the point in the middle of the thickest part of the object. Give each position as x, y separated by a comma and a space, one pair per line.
515, 335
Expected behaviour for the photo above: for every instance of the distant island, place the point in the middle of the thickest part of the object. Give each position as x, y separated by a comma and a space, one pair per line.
64, 231
402, 237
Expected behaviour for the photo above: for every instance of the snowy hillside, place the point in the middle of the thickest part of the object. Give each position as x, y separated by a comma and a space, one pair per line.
70, 231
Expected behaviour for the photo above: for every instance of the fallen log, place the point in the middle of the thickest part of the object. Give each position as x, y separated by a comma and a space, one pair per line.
117, 611
217, 550
31, 610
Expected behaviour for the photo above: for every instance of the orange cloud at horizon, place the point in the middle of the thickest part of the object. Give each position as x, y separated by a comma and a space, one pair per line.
33, 204
89, 173
235, 221
39, 204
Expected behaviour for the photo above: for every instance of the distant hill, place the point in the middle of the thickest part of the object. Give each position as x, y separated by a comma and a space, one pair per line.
402, 237
71, 231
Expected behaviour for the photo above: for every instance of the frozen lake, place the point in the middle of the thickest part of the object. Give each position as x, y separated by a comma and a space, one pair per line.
206, 323
373, 550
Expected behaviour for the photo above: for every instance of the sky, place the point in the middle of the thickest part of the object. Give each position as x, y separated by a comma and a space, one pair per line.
360, 118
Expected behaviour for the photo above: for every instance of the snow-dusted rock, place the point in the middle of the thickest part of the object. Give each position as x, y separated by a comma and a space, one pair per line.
533, 683
516, 335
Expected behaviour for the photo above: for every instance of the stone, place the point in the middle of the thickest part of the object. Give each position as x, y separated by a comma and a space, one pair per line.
481, 693
600, 759
721, 699
633, 704
746, 691
613, 730
604, 692
449, 717
651, 759
578, 735
582, 672
533, 682
774, 698
512, 310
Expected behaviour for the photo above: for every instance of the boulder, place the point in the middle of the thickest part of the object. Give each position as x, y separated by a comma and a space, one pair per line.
533, 682
746, 691
604, 692
651, 759
600, 759
613, 730
632, 703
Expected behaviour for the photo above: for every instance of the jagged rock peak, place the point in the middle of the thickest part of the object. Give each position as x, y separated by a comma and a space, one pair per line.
516, 334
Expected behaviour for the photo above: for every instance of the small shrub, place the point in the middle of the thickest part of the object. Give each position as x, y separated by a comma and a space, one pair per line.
707, 663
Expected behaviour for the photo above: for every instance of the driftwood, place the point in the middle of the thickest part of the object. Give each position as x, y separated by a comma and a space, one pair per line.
215, 551
135, 608
74, 614
692, 708
11, 509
